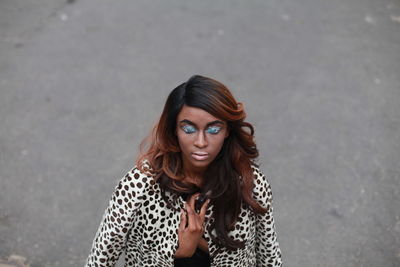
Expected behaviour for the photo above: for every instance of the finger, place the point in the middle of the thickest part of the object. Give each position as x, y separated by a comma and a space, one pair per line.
203, 210
182, 224
193, 224
192, 199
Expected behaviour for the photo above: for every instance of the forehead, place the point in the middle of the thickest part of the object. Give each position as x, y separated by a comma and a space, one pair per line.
195, 115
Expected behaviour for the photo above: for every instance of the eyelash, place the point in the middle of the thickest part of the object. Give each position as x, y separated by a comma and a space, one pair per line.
211, 130
188, 129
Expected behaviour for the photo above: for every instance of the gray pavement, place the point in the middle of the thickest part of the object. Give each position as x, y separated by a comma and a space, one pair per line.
82, 82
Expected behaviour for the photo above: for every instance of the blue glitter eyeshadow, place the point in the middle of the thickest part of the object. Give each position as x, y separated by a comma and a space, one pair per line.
213, 130
188, 129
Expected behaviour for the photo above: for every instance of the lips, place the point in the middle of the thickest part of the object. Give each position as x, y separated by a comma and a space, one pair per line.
200, 155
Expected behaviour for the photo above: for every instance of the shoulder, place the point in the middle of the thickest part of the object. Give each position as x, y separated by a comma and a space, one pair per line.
262, 189
259, 177
134, 181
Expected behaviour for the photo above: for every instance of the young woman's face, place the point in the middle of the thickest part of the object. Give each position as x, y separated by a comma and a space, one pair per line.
200, 136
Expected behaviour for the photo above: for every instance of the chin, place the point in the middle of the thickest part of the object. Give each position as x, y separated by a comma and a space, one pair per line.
201, 164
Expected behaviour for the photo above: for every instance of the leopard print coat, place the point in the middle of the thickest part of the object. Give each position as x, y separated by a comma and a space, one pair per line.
139, 222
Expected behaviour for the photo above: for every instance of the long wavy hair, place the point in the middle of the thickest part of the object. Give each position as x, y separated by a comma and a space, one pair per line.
231, 171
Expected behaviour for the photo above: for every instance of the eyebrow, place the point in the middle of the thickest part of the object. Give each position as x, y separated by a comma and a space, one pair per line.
208, 124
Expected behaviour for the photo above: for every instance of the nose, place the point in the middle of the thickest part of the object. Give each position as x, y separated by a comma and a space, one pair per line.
200, 141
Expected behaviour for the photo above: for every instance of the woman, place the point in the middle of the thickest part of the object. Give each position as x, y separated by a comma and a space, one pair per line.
200, 148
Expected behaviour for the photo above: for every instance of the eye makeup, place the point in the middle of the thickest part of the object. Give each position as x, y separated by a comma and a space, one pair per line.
213, 129
188, 129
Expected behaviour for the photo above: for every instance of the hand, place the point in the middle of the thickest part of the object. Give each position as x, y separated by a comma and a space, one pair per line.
203, 245
191, 228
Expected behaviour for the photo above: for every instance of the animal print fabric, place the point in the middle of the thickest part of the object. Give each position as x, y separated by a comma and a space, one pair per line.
139, 222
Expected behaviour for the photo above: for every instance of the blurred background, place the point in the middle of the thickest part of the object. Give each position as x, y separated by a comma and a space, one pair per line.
83, 81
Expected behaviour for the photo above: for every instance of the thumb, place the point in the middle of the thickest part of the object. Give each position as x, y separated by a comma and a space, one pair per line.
182, 224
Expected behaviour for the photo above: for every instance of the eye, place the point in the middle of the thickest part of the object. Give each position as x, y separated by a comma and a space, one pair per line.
188, 129
213, 129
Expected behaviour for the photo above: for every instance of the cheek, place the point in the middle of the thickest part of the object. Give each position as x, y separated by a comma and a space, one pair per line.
217, 144
184, 142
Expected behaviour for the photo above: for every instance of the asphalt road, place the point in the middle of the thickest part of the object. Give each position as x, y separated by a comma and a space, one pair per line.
82, 82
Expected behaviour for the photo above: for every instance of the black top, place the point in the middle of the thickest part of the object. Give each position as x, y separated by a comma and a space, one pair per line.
198, 259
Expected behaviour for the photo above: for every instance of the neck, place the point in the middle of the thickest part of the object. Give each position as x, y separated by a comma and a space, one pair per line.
193, 176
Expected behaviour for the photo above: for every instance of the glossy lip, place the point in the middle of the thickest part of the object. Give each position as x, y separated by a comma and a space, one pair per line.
200, 155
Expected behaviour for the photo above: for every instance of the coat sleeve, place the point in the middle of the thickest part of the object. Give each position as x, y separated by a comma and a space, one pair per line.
110, 238
268, 252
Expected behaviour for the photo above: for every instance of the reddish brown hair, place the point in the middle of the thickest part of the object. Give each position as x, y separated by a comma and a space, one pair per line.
231, 170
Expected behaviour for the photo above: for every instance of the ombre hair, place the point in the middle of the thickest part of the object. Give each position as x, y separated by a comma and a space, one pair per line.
231, 171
